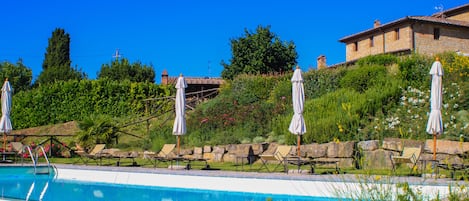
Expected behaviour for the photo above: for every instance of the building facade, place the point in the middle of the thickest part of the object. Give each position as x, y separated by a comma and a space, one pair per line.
443, 31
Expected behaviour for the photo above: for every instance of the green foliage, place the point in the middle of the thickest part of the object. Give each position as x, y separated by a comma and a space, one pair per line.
56, 65
378, 60
19, 75
74, 100
248, 89
97, 129
320, 82
456, 67
414, 70
259, 53
123, 70
240, 112
360, 79
58, 50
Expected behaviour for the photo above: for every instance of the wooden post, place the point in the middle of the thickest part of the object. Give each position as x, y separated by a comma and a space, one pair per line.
179, 149
298, 144
434, 146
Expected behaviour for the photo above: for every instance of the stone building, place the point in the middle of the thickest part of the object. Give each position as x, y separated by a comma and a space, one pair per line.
443, 31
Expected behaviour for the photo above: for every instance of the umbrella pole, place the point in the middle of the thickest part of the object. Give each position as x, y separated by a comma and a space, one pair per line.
434, 146
4, 142
179, 149
298, 143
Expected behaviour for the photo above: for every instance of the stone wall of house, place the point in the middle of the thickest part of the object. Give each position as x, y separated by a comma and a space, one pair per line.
451, 39
371, 154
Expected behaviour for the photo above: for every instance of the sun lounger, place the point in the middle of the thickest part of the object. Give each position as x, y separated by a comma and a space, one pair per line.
164, 155
277, 156
197, 155
123, 155
95, 154
410, 155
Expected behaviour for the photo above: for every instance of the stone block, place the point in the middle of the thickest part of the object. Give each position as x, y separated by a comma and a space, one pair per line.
340, 150
314, 150
208, 156
377, 159
219, 149
397, 144
443, 158
218, 153
447, 147
369, 145
198, 151
207, 149
185, 151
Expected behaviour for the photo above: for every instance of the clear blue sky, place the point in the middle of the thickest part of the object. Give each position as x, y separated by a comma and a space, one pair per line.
189, 37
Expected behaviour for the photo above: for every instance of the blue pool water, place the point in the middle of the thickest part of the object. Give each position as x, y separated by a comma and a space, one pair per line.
21, 183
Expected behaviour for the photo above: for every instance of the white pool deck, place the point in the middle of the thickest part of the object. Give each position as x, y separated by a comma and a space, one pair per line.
267, 183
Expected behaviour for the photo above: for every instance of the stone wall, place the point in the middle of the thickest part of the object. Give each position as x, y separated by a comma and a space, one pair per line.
364, 154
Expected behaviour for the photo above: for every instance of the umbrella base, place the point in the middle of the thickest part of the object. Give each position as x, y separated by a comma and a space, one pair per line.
178, 167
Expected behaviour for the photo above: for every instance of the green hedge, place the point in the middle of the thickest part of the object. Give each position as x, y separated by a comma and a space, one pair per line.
74, 100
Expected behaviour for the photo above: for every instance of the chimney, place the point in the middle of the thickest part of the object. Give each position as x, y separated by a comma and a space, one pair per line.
322, 62
164, 77
377, 23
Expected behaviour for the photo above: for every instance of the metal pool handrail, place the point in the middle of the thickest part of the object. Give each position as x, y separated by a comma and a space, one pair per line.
35, 157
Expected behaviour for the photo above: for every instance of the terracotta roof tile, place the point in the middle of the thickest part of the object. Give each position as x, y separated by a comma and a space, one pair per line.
405, 20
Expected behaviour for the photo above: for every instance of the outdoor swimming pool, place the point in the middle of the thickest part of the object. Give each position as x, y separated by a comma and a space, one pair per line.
20, 183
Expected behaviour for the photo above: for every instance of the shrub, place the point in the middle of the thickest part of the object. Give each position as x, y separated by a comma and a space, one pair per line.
414, 70
360, 79
378, 60
320, 82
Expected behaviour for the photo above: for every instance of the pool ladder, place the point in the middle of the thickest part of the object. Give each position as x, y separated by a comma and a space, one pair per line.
35, 158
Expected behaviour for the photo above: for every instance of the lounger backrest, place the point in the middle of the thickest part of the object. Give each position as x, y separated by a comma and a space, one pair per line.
282, 151
412, 152
97, 149
17, 147
166, 150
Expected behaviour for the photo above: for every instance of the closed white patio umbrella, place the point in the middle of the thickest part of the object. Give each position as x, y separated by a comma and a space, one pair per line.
297, 124
5, 122
435, 121
179, 126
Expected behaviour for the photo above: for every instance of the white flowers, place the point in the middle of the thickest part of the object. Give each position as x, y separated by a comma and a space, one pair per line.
393, 122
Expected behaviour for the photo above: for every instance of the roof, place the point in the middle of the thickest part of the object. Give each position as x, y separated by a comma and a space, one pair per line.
452, 11
435, 18
198, 80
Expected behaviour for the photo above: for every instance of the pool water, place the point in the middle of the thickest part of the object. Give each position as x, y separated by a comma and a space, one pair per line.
21, 183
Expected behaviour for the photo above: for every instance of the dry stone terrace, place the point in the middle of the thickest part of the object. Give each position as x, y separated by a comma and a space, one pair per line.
364, 154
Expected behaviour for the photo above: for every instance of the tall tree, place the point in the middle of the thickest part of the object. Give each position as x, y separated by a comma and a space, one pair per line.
19, 75
56, 65
123, 69
259, 53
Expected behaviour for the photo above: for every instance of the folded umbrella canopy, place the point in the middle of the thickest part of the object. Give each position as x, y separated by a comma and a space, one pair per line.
179, 126
435, 121
5, 122
297, 124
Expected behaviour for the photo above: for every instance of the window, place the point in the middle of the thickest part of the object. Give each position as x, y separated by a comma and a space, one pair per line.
372, 42
355, 46
396, 34
436, 33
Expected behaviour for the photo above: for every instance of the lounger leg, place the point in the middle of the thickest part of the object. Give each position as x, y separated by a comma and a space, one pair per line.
264, 164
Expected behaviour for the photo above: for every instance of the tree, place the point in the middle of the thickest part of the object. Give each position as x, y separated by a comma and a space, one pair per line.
56, 65
19, 75
259, 53
123, 69
97, 129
